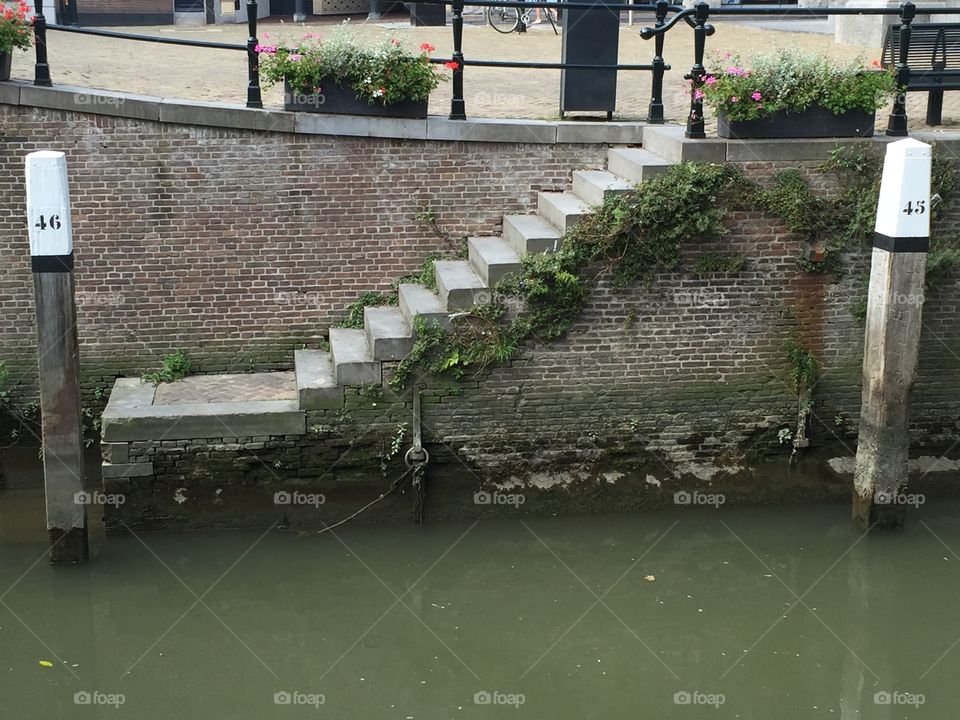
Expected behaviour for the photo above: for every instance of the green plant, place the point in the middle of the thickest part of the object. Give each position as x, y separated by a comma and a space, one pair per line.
16, 25
384, 73
792, 80
354, 318
804, 369
176, 366
710, 263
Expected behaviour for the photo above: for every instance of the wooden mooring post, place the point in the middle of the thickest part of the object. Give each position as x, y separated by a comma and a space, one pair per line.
51, 256
894, 307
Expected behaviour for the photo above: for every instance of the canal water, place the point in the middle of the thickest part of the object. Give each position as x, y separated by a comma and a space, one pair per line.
772, 612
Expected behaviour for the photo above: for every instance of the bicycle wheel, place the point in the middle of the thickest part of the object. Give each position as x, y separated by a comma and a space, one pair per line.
503, 19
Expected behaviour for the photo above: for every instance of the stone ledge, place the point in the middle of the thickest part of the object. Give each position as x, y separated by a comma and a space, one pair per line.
88, 100
114, 471
194, 112
207, 420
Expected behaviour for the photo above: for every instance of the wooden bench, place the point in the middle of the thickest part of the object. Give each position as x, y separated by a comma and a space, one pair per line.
934, 60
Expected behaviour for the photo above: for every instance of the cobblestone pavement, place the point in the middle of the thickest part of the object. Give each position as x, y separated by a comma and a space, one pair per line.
227, 388
220, 75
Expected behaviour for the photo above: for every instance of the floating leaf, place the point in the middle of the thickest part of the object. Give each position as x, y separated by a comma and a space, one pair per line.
46, 663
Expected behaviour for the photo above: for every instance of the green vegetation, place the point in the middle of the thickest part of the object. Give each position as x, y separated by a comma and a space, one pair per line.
354, 318
630, 237
176, 366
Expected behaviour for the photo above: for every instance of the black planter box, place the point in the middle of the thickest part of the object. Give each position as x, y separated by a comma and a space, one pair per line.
338, 100
6, 60
427, 14
814, 122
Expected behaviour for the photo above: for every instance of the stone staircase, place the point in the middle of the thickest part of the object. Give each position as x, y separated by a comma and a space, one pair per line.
355, 355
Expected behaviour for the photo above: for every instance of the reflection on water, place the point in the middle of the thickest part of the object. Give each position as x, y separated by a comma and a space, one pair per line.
732, 613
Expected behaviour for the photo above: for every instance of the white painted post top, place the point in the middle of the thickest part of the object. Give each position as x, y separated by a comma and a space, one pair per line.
48, 204
903, 210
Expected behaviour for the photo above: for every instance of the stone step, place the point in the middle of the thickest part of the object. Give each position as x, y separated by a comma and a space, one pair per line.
416, 300
563, 210
636, 164
669, 142
457, 283
317, 387
530, 233
594, 186
353, 362
388, 333
493, 258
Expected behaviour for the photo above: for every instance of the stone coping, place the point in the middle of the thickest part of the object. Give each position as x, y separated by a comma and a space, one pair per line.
131, 415
664, 140
195, 112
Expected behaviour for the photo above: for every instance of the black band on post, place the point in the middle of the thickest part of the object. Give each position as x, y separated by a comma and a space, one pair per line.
52, 263
901, 244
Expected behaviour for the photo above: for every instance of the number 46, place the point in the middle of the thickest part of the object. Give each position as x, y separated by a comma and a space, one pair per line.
919, 207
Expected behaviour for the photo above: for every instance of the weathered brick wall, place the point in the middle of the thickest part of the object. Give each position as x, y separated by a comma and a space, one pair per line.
197, 232
241, 246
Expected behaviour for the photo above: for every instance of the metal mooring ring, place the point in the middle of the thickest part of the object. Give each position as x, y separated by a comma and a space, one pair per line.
408, 459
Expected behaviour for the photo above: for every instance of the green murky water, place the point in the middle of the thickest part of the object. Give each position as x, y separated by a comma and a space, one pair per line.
746, 613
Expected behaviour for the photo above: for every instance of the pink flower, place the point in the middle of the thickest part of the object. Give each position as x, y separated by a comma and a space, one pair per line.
698, 94
295, 57
394, 41
268, 49
310, 36
267, 35
734, 98
734, 70
756, 96
710, 80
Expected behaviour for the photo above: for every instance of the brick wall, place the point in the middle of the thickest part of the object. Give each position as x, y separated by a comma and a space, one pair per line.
192, 234
241, 246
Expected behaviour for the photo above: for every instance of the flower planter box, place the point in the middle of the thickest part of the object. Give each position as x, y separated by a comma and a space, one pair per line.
814, 122
339, 100
6, 60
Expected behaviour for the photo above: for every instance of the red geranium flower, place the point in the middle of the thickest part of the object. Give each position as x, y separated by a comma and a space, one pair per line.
452, 65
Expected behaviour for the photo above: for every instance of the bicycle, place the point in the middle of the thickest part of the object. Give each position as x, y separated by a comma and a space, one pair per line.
509, 19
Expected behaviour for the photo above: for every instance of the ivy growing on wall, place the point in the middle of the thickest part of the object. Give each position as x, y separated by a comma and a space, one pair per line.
635, 236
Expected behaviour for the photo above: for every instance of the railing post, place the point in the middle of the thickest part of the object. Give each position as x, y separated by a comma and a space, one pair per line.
655, 111
458, 109
695, 124
41, 72
254, 100
897, 124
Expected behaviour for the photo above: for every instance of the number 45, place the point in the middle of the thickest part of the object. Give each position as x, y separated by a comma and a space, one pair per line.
919, 207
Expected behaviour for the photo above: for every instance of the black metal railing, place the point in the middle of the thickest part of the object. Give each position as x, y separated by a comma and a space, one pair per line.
457, 105
695, 17
42, 66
